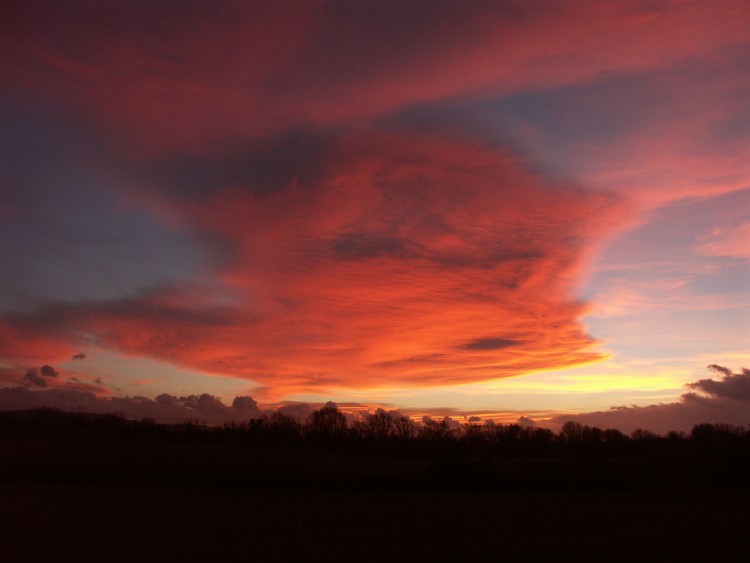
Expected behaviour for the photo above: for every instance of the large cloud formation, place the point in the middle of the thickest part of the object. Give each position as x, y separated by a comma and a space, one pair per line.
410, 259
348, 249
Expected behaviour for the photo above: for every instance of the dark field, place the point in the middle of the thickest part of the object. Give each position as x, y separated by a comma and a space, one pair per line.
78, 522
121, 492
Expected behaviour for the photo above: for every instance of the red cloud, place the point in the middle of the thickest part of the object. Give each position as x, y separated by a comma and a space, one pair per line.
380, 258
188, 77
415, 260
33, 339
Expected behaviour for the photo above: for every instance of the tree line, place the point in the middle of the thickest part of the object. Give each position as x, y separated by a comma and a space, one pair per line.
382, 430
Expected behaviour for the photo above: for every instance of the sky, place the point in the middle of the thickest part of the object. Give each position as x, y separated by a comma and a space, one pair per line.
494, 209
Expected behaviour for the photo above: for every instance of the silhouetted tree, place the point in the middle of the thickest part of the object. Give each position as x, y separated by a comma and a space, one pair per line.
474, 434
358, 429
282, 428
435, 431
539, 439
378, 426
508, 434
327, 424
642, 435
572, 433
612, 436
404, 427
716, 434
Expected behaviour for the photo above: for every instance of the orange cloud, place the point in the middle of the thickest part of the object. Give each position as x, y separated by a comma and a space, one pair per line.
415, 260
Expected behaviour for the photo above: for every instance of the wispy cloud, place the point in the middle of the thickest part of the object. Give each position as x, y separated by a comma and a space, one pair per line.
732, 241
184, 78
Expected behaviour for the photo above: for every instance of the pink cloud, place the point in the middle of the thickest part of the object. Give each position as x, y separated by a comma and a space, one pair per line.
682, 134
636, 297
733, 242
189, 77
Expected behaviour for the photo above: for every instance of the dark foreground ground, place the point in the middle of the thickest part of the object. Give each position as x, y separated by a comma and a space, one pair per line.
79, 522
124, 493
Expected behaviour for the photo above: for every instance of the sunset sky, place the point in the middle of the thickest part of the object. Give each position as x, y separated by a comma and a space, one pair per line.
497, 209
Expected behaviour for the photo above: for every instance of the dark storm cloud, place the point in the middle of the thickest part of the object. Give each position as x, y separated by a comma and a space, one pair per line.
48, 371
490, 344
183, 305
246, 405
526, 421
731, 386
726, 372
295, 157
35, 379
355, 246
423, 359
165, 408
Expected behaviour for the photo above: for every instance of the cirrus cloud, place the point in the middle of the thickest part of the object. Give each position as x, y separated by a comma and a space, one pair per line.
167, 78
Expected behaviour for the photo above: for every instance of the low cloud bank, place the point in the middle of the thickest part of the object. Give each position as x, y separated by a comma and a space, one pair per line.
723, 400
164, 408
